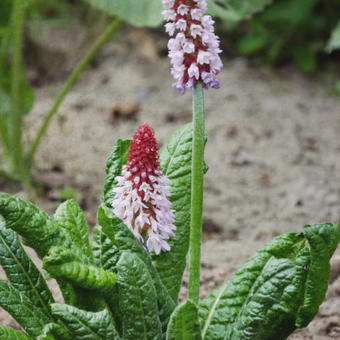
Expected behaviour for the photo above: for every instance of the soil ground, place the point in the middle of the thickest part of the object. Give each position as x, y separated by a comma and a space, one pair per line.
273, 150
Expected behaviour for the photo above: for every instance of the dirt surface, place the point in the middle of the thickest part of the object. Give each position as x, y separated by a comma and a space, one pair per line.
273, 151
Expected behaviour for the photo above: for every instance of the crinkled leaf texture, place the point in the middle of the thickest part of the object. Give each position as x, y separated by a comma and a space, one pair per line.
7, 333
279, 288
137, 300
86, 325
137, 13
61, 263
21, 271
31, 319
184, 323
70, 217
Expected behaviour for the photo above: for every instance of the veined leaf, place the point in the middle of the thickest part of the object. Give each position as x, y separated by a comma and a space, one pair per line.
85, 325
184, 324
21, 271
38, 230
137, 13
323, 239
124, 240
175, 160
70, 217
278, 289
61, 263
53, 331
220, 309
137, 300
105, 252
114, 165
31, 319
334, 40
236, 10
7, 333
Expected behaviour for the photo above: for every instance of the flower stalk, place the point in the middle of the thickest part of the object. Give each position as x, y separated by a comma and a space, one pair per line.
196, 192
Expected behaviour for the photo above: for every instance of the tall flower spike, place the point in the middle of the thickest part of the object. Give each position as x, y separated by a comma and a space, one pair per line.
194, 51
141, 194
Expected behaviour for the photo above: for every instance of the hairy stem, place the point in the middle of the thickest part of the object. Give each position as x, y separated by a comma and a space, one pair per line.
196, 192
68, 85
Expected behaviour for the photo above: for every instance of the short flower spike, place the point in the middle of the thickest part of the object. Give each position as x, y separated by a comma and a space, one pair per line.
194, 52
141, 195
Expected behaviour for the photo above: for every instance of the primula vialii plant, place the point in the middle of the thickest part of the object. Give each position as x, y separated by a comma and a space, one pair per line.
125, 282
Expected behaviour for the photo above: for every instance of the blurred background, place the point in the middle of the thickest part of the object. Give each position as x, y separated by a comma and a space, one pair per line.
273, 127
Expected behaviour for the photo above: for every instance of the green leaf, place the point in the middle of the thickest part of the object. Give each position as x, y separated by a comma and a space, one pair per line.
7, 333
71, 218
334, 40
270, 308
137, 299
175, 160
137, 13
124, 240
252, 43
21, 271
38, 230
61, 263
85, 325
105, 252
114, 165
184, 324
278, 289
236, 10
53, 331
323, 239
220, 309
31, 319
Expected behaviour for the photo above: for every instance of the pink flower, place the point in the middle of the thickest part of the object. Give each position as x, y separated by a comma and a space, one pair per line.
194, 52
141, 195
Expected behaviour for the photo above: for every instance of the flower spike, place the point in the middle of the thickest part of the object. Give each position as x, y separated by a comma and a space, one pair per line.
194, 51
141, 195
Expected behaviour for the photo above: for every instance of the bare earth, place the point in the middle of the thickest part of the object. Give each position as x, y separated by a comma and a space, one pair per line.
273, 151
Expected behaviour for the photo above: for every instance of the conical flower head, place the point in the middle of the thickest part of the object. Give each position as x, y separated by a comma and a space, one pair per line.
141, 195
194, 51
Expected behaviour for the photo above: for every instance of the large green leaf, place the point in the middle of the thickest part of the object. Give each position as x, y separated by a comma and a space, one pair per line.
334, 40
175, 160
85, 325
236, 10
114, 165
61, 263
31, 319
7, 333
70, 217
184, 324
263, 300
137, 13
38, 230
323, 239
137, 299
124, 240
21, 271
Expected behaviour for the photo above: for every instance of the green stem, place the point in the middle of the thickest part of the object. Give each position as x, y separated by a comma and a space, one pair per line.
196, 193
68, 85
16, 116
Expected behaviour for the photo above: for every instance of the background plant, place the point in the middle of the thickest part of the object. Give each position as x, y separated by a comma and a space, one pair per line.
16, 95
